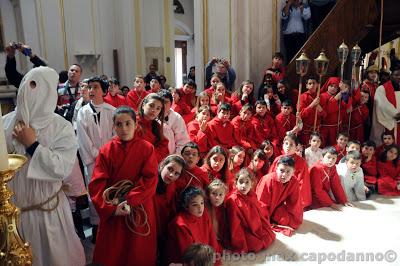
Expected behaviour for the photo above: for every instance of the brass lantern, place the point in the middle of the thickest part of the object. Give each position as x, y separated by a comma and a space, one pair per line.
321, 64
343, 52
302, 64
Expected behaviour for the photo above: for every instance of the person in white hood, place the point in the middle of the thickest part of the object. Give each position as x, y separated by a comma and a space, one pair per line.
48, 140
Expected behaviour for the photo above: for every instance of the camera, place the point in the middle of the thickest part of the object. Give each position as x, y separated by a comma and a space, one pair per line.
16, 45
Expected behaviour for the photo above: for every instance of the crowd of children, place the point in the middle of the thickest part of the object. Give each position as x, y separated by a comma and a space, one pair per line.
167, 169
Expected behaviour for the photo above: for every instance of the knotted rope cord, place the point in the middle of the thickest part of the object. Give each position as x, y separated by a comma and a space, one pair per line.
39, 206
115, 194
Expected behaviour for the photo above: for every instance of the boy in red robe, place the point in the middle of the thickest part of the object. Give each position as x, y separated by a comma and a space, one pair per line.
221, 131
389, 172
187, 93
301, 173
264, 125
331, 101
309, 104
285, 121
112, 96
387, 138
279, 195
341, 144
369, 166
119, 240
327, 191
359, 116
243, 129
136, 95
249, 229
277, 70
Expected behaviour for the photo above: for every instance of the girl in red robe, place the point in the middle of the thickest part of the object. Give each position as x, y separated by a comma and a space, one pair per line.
192, 175
219, 96
389, 172
127, 228
199, 131
165, 201
243, 133
250, 231
136, 95
237, 156
191, 225
243, 95
180, 106
301, 172
269, 150
215, 79
278, 193
264, 125
151, 110
216, 165
258, 165
216, 192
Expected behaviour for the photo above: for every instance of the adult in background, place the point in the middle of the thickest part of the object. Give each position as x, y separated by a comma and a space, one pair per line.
225, 72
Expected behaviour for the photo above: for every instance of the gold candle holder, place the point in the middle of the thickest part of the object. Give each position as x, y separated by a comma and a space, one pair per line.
13, 250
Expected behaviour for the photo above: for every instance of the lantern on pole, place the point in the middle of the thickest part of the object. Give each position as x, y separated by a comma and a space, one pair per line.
321, 67
343, 52
302, 64
355, 56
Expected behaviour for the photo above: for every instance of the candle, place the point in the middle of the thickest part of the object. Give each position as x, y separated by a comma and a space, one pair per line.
3, 146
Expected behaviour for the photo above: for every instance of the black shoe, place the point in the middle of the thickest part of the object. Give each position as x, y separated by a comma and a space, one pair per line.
94, 233
76, 215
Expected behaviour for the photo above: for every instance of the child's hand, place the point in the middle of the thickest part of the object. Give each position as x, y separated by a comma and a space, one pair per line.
336, 207
315, 102
203, 125
349, 204
123, 209
366, 189
319, 108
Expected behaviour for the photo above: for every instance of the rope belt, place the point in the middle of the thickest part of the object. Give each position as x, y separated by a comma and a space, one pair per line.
116, 194
39, 206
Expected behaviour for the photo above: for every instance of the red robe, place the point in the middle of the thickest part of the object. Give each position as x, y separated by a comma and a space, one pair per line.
135, 97
243, 132
237, 104
302, 175
184, 110
185, 230
116, 100
165, 205
144, 130
389, 175
307, 115
280, 203
219, 221
329, 127
221, 133
224, 177
188, 99
370, 87
196, 177
341, 153
214, 105
324, 182
199, 137
284, 123
264, 128
359, 116
370, 170
250, 231
116, 244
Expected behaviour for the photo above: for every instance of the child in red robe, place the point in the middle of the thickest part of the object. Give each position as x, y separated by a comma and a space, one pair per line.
136, 95
269, 150
249, 230
192, 175
220, 129
279, 195
258, 165
179, 106
243, 128
151, 110
341, 144
191, 225
264, 125
309, 108
243, 95
216, 165
202, 99
169, 170
285, 121
216, 192
198, 129
112, 96
369, 166
359, 116
389, 172
387, 138
327, 190
219, 97
187, 93
301, 173
119, 164
215, 79
237, 156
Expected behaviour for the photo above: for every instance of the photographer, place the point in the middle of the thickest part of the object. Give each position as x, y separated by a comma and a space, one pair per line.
69, 91
224, 70
13, 76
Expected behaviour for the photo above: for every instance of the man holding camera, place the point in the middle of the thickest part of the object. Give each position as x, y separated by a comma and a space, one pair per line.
69, 91
294, 29
225, 72
13, 76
